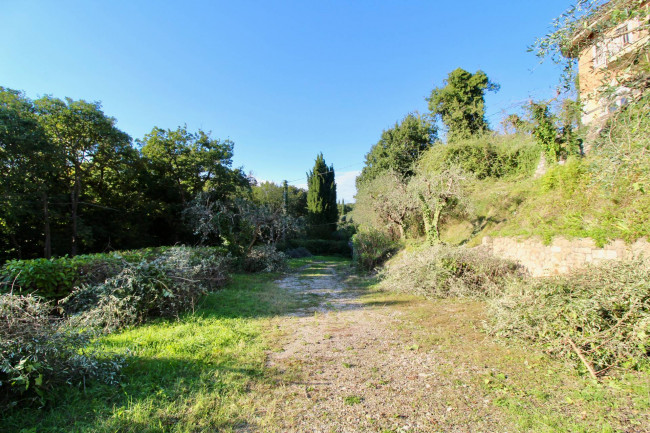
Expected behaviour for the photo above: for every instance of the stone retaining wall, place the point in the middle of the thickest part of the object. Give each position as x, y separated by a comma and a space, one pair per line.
562, 255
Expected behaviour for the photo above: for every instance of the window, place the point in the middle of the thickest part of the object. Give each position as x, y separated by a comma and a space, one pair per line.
600, 56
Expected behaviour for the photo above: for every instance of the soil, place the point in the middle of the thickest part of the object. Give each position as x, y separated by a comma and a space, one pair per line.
349, 364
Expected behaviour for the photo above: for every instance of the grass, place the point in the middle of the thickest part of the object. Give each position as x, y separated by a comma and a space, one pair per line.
196, 373
536, 392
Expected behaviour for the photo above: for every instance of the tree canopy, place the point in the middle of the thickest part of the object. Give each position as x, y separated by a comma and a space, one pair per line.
322, 210
460, 104
399, 147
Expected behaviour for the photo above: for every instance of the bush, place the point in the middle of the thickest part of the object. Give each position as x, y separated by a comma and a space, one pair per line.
444, 271
321, 247
604, 310
372, 248
163, 287
264, 259
37, 353
298, 253
55, 278
486, 156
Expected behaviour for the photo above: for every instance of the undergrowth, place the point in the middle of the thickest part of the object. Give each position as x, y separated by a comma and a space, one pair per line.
604, 311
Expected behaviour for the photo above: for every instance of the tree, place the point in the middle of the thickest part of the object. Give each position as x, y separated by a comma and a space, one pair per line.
191, 162
460, 104
29, 167
438, 194
87, 138
385, 201
322, 211
399, 148
273, 195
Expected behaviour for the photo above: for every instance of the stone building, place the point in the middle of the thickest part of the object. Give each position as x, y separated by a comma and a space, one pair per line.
611, 53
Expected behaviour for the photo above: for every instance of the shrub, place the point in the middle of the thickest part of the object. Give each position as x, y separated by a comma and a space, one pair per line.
443, 271
264, 259
321, 247
372, 248
55, 278
298, 253
163, 287
604, 310
486, 156
37, 353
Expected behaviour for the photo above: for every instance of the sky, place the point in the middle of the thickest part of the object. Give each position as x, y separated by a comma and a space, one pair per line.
284, 80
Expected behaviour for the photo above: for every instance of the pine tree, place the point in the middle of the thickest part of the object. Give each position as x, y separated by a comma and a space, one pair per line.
322, 211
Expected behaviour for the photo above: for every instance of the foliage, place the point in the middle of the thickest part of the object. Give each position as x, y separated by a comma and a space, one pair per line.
604, 310
37, 353
372, 248
439, 193
485, 156
385, 202
399, 148
239, 224
272, 195
460, 104
586, 23
264, 258
557, 142
87, 140
444, 271
321, 247
163, 287
322, 210
298, 253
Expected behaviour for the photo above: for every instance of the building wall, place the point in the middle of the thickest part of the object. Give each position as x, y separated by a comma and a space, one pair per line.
593, 76
562, 255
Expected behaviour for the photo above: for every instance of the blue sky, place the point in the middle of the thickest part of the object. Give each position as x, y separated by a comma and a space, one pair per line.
284, 80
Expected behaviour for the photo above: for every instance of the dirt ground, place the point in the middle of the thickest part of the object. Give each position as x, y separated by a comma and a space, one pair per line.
353, 366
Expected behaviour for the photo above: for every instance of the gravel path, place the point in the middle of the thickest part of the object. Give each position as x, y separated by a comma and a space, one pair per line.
352, 366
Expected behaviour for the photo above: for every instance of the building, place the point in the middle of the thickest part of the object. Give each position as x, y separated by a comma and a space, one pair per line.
612, 54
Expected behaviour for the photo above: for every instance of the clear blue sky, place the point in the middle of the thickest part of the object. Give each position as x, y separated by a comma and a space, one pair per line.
284, 80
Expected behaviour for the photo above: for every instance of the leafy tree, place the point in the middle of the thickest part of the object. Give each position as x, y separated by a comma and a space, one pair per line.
399, 148
191, 162
438, 194
460, 104
272, 195
87, 138
180, 165
386, 202
322, 211
29, 166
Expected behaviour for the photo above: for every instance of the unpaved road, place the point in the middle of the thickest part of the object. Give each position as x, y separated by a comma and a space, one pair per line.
353, 365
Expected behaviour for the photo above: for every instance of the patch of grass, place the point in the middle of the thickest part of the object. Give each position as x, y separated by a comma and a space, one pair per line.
191, 374
351, 400
520, 382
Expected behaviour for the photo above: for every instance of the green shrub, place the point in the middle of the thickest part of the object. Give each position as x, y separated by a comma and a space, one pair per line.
163, 287
264, 259
444, 271
486, 156
372, 248
298, 253
604, 310
55, 278
37, 353
321, 247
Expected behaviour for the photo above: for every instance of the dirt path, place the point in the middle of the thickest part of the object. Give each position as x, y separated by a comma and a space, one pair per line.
353, 365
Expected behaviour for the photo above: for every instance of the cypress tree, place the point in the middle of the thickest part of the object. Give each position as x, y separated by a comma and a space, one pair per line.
322, 211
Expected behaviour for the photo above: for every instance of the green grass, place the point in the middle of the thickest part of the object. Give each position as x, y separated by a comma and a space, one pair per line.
193, 374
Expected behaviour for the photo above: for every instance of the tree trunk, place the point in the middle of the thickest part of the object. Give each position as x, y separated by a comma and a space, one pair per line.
46, 222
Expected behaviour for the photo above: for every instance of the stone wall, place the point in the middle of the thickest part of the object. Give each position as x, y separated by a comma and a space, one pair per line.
562, 255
